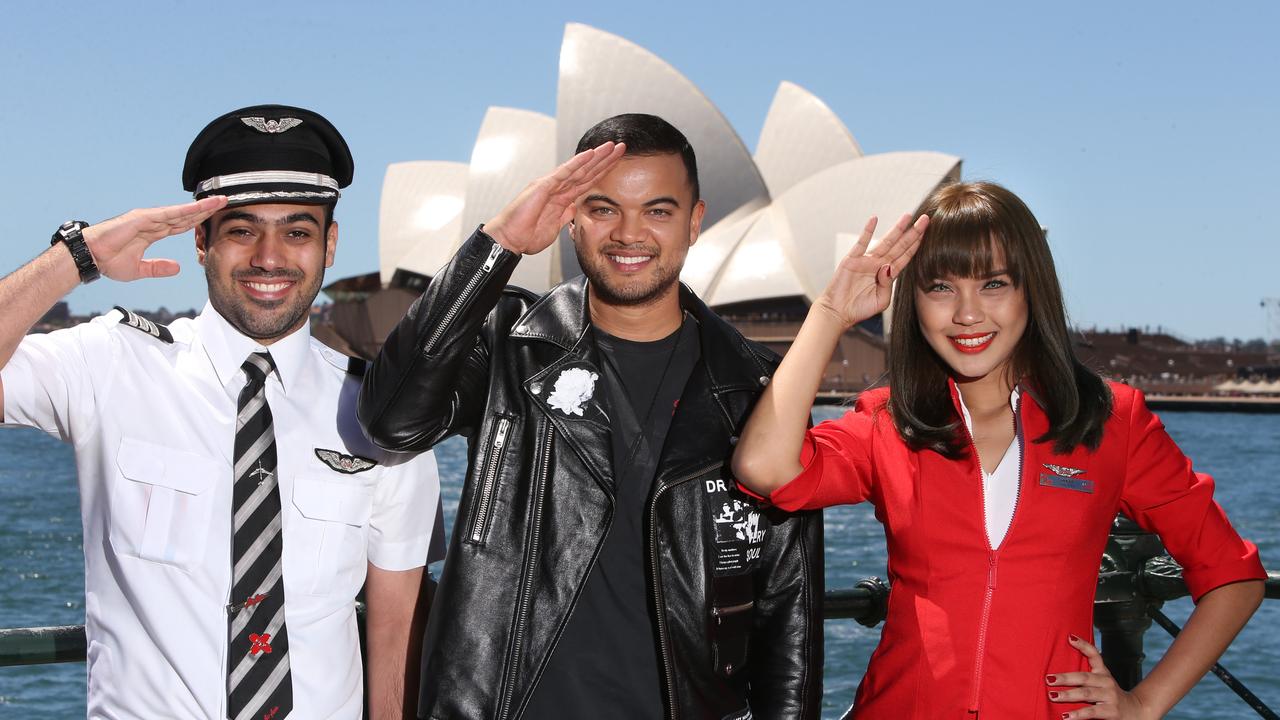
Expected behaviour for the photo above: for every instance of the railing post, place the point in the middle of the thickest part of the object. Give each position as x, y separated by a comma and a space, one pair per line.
1120, 611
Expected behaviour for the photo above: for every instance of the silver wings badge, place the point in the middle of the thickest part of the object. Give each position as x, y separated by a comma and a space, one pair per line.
1063, 470
271, 127
349, 464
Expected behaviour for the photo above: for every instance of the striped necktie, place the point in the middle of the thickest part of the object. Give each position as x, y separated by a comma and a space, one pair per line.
259, 686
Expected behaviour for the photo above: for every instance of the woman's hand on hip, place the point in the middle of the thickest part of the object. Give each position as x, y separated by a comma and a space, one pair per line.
1097, 686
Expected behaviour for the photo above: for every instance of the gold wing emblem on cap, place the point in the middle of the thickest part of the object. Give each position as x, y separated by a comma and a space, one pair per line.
271, 127
349, 464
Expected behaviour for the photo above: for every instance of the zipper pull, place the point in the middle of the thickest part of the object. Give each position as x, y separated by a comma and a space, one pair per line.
991, 573
493, 257
501, 437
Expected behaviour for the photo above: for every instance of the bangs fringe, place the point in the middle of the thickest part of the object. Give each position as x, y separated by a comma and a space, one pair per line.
966, 243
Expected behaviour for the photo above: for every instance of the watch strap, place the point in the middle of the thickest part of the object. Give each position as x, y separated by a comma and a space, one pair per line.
71, 234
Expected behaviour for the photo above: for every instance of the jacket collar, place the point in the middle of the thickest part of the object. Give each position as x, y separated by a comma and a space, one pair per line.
1024, 388
727, 365
562, 318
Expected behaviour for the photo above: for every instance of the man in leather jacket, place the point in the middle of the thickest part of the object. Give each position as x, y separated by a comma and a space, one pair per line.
603, 560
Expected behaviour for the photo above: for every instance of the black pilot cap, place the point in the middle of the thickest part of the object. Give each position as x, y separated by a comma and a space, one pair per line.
266, 154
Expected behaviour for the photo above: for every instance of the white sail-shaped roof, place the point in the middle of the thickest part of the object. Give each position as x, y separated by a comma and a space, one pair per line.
792, 247
800, 137
513, 148
420, 215
714, 246
602, 75
763, 266
758, 242
827, 211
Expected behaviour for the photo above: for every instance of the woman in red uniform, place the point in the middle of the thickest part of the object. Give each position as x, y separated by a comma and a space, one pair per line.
996, 462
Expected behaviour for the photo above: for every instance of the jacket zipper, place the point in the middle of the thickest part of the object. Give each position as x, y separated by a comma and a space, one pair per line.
993, 556
462, 299
490, 479
664, 651
526, 581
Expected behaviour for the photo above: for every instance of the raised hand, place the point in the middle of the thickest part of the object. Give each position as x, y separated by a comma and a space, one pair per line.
1096, 686
118, 244
863, 281
533, 220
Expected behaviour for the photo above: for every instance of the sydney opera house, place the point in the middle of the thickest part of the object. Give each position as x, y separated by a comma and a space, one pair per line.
777, 220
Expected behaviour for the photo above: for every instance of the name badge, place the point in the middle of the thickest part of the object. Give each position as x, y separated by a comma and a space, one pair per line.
1066, 483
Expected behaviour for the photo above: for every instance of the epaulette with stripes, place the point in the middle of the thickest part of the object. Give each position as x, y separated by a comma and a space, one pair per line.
137, 322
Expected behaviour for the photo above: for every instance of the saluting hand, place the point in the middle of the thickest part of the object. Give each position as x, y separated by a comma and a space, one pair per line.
533, 220
1096, 686
863, 281
118, 244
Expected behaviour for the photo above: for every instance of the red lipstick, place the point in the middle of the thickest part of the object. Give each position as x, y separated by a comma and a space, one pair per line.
972, 343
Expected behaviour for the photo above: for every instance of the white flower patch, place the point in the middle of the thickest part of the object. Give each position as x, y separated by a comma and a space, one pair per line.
574, 387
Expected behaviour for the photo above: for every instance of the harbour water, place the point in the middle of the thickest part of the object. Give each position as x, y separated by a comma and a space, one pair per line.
42, 574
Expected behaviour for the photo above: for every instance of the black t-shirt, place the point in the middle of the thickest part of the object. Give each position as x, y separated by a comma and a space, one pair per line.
607, 659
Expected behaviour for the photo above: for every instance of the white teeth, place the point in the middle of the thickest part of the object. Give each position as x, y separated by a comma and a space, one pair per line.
630, 260
974, 342
267, 287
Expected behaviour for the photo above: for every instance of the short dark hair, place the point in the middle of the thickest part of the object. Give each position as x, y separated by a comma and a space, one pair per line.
324, 230
970, 225
645, 135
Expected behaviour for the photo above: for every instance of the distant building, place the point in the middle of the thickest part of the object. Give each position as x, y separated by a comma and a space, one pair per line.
1161, 363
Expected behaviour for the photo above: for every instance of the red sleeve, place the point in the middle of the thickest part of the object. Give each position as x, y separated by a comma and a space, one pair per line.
837, 460
1164, 495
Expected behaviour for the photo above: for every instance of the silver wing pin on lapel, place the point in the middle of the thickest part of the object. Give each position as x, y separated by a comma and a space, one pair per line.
1063, 470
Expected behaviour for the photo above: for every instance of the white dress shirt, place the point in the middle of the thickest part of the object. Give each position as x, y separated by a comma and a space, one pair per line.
152, 426
1000, 487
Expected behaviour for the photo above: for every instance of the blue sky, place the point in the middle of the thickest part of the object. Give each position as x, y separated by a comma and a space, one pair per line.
1144, 134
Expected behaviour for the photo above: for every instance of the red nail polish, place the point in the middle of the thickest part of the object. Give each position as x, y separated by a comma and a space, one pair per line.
1051, 678
1053, 695
1074, 638
1066, 716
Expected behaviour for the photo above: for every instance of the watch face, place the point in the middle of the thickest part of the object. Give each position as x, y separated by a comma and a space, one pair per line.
65, 229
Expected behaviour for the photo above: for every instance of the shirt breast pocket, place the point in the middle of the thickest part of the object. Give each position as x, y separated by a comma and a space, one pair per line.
330, 545
161, 503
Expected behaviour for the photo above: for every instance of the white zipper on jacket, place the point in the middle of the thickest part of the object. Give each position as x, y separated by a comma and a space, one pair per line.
992, 554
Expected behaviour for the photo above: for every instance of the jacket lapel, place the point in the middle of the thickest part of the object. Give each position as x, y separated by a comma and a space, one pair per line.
569, 389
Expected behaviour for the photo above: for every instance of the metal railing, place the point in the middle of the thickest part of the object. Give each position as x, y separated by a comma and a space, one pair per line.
1137, 577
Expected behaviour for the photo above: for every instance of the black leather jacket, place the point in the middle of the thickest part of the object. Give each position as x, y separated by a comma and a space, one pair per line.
738, 612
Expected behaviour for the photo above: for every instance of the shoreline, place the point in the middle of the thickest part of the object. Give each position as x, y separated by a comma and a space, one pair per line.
1157, 402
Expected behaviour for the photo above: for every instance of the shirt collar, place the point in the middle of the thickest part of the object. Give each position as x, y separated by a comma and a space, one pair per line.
227, 349
1014, 395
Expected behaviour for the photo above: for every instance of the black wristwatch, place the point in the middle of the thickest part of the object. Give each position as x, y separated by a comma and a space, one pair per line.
71, 233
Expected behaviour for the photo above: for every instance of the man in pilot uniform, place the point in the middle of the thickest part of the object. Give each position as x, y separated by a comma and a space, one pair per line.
232, 509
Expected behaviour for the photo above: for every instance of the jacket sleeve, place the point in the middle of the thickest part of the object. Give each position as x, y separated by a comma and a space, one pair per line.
1164, 495
837, 459
430, 379
786, 658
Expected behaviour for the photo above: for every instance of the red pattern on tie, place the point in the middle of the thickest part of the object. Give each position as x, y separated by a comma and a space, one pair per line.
261, 643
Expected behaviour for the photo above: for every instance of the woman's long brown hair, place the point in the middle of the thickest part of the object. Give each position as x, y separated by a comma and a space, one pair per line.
970, 226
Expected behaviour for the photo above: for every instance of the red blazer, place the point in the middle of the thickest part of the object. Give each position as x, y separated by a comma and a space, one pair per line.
972, 629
